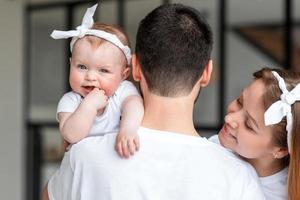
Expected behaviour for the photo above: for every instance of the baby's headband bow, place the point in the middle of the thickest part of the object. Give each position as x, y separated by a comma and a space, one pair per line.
282, 107
85, 29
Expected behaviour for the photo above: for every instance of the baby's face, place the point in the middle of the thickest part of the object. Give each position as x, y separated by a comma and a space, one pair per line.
244, 131
103, 67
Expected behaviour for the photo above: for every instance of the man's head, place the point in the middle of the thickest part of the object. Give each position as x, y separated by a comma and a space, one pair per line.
173, 46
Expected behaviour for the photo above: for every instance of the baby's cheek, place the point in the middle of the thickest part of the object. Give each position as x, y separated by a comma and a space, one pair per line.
111, 89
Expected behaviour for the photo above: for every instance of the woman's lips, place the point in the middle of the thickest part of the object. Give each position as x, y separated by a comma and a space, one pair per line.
226, 132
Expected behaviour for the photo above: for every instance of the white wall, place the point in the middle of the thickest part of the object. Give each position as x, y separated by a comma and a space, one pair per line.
11, 115
242, 61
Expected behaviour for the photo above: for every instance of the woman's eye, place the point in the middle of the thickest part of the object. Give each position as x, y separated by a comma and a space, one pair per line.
248, 126
238, 100
81, 66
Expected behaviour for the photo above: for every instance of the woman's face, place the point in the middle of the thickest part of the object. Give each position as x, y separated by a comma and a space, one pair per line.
244, 131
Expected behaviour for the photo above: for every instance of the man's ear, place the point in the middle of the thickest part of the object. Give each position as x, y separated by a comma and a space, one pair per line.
126, 73
206, 74
136, 68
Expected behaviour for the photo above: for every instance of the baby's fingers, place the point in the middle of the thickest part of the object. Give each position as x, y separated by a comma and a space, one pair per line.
136, 142
125, 149
118, 148
131, 147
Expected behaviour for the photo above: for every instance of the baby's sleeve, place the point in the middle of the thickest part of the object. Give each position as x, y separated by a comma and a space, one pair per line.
68, 103
125, 90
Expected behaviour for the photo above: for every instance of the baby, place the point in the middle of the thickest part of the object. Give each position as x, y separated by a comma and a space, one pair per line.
100, 95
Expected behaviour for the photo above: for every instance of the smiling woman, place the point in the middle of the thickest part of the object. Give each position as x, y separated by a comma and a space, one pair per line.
266, 147
244, 131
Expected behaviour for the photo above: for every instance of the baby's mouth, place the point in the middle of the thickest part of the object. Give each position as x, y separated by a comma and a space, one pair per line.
89, 87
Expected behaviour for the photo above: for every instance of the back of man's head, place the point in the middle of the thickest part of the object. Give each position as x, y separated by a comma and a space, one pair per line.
173, 45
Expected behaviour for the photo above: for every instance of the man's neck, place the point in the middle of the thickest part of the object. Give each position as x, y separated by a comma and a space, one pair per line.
169, 114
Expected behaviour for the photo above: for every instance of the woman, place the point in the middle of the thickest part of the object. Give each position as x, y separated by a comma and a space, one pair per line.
262, 126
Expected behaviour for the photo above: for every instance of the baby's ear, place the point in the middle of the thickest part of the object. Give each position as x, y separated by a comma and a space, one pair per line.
126, 73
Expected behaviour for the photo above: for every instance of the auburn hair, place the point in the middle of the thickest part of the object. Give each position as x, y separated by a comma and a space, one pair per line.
271, 95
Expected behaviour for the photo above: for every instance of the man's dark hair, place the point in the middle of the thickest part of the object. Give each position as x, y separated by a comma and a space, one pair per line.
173, 45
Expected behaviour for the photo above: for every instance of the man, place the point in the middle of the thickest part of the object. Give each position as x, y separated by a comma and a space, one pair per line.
172, 64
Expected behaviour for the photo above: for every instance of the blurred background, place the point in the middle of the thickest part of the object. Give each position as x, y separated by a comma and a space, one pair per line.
34, 69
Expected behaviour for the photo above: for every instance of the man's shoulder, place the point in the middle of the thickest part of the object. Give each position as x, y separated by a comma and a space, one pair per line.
179, 140
230, 161
166, 156
198, 147
90, 142
93, 145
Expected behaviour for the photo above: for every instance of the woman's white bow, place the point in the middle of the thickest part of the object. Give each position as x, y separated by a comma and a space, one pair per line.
282, 107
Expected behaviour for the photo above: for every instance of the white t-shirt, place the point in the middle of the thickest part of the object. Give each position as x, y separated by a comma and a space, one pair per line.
274, 186
168, 166
109, 121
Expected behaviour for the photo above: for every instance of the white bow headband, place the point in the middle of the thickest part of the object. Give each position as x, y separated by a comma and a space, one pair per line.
282, 107
85, 29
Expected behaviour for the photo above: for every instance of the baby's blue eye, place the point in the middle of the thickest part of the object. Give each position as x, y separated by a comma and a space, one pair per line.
81, 66
103, 70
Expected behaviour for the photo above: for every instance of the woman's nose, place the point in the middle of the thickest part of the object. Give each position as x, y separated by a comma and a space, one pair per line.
231, 120
232, 107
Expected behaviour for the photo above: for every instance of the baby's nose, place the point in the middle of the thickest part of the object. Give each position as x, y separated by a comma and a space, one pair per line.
90, 76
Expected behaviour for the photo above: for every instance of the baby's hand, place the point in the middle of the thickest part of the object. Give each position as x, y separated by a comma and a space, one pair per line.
96, 98
127, 144
65, 145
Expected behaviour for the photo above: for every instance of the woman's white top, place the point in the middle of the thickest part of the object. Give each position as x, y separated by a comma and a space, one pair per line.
274, 186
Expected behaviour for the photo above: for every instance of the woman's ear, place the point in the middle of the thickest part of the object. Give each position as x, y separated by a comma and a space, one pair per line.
136, 68
206, 74
280, 152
